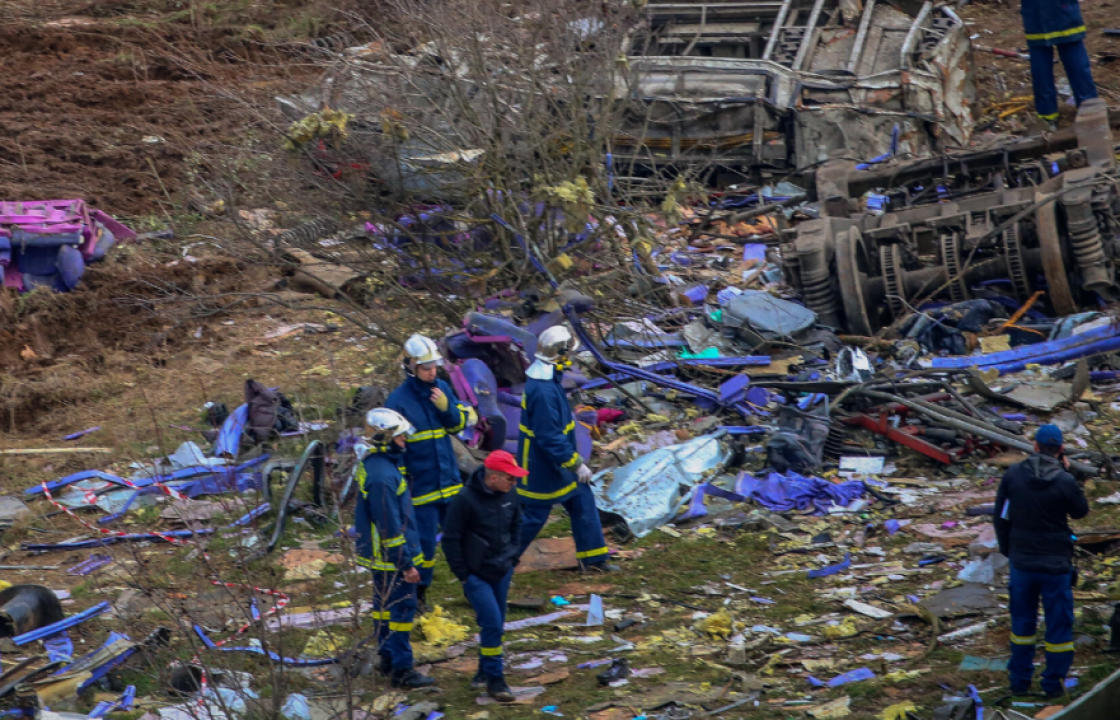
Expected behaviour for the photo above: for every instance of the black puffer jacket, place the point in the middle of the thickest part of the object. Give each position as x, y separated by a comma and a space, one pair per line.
482, 531
1033, 503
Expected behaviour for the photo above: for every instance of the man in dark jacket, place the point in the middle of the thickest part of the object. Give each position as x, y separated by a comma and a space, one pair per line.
481, 542
1033, 502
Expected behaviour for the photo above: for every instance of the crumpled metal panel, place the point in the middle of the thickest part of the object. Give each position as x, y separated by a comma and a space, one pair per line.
652, 489
861, 71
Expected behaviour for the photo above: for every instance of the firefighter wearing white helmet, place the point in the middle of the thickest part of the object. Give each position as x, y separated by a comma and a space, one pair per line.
388, 543
432, 471
547, 449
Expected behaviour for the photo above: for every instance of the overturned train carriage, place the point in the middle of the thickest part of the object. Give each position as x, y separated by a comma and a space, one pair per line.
1003, 222
781, 84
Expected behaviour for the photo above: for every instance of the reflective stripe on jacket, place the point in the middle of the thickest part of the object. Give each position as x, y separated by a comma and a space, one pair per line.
383, 519
433, 472
547, 443
1052, 22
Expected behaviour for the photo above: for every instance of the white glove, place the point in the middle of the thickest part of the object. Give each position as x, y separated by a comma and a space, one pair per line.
583, 473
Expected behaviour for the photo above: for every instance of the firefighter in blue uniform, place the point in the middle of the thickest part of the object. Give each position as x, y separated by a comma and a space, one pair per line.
388, 544
432, 471
1049, 24
1034, 501
547, 449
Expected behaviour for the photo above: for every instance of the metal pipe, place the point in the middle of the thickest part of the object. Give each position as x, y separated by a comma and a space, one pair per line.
974, 429
912, 35
55, 628
861, 36
807, 38
1028, 353
772, 41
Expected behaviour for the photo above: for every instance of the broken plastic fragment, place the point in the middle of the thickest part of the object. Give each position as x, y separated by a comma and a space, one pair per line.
832, 569
857, 675
595, 611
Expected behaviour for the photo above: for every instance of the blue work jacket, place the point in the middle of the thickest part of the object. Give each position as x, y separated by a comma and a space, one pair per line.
432, 471
387, 536
1052, 22
547, 441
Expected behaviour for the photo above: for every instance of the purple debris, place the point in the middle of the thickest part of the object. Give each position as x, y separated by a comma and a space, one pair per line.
1016, 417
790, 491
832, 569
680, 258
892, 526
726, 295
815, 682
734, 390
758, 396
93, 562
754, 251
695, 294
851, 676
762, 601
81, 433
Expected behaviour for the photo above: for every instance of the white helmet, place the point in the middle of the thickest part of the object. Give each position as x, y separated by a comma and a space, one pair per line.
421, 350
384, 424
554, 342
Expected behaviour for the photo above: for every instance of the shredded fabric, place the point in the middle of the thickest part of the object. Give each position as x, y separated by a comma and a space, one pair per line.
782, 492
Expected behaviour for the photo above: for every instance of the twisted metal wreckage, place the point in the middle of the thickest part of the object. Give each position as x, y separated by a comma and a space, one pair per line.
1016, 219
772, 86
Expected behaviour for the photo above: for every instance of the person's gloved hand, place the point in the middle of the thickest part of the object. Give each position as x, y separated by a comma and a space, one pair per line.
440, 400
583, 473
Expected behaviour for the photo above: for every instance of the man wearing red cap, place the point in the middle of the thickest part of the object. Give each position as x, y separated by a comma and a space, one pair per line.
481, 540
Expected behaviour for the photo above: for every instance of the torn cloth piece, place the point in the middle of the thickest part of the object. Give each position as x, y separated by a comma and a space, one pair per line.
790, 491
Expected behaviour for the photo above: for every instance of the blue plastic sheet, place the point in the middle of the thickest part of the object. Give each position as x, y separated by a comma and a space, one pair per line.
782, 492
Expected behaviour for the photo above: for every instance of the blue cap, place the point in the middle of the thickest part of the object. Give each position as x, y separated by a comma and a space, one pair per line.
1048, 435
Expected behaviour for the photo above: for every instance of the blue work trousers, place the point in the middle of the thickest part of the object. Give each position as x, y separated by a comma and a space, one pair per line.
394, 607
1025, 589
489, 602
1075, 59
429, 522
591, 548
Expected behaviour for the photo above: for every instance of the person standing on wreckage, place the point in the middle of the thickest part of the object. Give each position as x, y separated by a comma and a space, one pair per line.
547, 450
431, 469
388, 544
1056, 23
1033, 504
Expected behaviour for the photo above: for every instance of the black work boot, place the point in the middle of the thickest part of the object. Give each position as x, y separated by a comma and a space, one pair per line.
496, 688
422, 600
478, 681
603, 567
410, 680
619, 669
385, 665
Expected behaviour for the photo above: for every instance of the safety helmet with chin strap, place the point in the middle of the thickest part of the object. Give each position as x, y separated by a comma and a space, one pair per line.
554, 343
420, 350
383, 424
